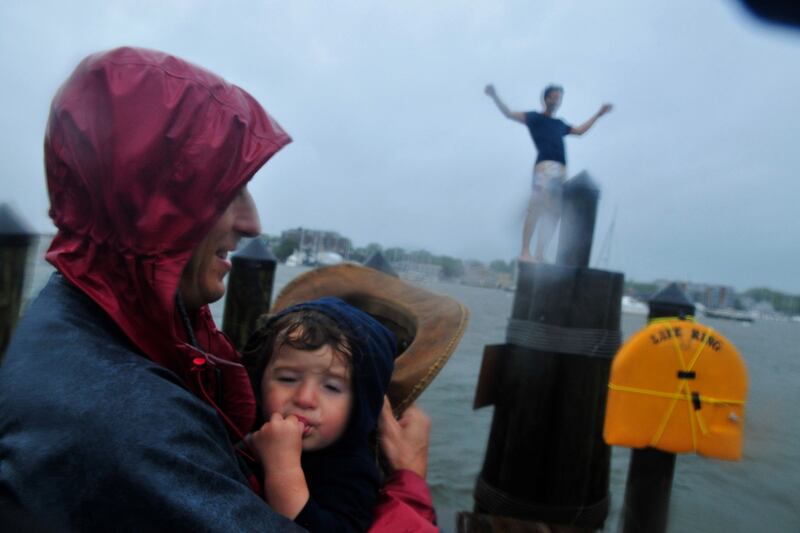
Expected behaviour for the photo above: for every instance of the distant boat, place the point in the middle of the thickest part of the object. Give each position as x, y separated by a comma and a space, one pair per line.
300, 258
728, 314
633, 306
296, 259
329, 258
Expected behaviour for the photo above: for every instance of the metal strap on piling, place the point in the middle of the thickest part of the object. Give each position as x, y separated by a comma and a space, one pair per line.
579, 341
497, 502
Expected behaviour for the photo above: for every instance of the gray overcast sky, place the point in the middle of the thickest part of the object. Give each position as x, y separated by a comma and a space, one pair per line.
396, 143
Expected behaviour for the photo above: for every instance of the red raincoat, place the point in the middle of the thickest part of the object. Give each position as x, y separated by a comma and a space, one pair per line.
405, 505
143, 153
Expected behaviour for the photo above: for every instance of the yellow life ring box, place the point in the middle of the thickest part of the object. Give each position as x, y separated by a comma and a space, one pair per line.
677, 386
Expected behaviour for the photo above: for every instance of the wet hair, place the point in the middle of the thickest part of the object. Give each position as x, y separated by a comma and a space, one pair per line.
550, 88
305, 329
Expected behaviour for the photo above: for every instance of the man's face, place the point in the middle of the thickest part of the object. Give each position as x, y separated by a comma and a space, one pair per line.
313, 385
202, 278
553, 100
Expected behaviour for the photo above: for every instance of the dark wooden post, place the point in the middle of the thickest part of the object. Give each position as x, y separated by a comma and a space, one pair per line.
546, 460
15, 242
650, 471
377, 262
249, 290
578, 216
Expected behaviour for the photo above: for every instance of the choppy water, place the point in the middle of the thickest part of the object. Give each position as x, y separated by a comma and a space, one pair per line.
760, 493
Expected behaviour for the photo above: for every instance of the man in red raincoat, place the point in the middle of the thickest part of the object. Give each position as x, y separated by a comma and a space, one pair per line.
121, 401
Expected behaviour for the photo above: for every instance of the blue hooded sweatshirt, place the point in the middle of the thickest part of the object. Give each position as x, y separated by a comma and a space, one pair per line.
343, 478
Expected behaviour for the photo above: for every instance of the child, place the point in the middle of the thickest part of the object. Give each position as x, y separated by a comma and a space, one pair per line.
319, 371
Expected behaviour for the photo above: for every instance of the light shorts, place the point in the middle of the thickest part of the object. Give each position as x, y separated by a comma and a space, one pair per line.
548, 182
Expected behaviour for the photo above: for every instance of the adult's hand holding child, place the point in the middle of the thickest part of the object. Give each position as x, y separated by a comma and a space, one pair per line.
404, 441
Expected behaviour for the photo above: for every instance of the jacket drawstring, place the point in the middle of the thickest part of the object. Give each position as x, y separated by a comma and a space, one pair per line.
198, 366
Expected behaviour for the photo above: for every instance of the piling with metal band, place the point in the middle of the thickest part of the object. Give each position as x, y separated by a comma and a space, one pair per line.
650, 471
546, 460
249, 290
16, 239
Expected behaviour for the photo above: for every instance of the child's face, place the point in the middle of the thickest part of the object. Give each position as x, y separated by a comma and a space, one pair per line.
313, 385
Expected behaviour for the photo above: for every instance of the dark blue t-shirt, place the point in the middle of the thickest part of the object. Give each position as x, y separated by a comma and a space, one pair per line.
548, 136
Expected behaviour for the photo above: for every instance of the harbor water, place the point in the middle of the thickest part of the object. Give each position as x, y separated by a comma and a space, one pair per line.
760, 493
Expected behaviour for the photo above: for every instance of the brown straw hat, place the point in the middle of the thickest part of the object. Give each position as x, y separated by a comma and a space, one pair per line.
428, 326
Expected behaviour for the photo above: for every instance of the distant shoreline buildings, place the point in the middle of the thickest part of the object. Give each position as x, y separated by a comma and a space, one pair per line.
423, 266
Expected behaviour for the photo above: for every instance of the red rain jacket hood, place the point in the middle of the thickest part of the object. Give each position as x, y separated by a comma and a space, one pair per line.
143, 153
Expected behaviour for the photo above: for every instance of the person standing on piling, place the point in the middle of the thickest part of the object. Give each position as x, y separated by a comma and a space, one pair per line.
550, 170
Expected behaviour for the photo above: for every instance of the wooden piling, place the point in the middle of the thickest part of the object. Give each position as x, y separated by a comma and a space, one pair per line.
578, 214
249, 290
16, 239
650, 472
378, 262
546, 460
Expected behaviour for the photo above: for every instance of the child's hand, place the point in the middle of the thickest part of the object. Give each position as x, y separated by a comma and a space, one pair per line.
279, 443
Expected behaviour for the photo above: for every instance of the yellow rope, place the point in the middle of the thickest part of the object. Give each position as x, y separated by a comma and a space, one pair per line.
700, 348
701, 422
663, 424
706, 399
685, 384
692, 409
668, 414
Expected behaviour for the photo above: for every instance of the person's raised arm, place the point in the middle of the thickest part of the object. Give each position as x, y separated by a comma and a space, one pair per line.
583, 128
513, 115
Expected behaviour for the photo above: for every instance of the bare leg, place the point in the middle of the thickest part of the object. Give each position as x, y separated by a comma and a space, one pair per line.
547, 229
534, 211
